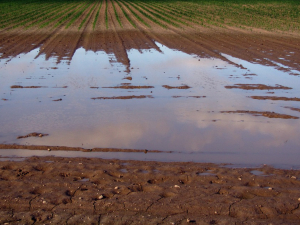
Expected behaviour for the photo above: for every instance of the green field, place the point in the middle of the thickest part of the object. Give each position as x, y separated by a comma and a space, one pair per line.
264, 14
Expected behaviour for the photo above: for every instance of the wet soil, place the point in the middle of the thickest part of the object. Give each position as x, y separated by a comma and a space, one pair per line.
176, 87
34, 134
275, 98
44, 190
125, 97
264, 113
257, 87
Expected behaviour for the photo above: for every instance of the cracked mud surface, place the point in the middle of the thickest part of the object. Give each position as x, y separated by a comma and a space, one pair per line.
44, 190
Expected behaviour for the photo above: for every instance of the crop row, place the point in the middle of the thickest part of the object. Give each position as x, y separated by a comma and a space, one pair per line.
166, 14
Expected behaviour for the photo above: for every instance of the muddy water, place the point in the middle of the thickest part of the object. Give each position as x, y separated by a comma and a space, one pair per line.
96, 101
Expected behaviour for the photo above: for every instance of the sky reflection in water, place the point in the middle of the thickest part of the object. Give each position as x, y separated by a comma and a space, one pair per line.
182, 124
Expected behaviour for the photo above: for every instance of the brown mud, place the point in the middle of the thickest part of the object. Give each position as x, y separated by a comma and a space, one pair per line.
126, 86
257, 87
292, 108
275, 98
44, 190
125, 97
265, 114
176, 87
34, 134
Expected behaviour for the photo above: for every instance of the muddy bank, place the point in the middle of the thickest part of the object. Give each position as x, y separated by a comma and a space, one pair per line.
46, 190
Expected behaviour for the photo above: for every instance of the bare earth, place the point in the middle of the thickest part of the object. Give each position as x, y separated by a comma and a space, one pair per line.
44, 190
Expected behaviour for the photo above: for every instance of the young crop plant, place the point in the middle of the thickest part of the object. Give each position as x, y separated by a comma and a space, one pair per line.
106, 16
59, 15
136, 15
70, 14
126, 15
117, 16
83, 21
97, 15
77, 15
147, 15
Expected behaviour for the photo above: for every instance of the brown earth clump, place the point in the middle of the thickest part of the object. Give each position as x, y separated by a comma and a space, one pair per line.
264, 113
125, 97
257, 87
275, 98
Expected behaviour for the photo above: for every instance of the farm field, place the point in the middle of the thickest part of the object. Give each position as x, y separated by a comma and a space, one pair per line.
137, 111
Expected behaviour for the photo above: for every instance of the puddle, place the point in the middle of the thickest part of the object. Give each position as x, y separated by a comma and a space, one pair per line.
84, 180
15, 159
123, 170
258, 173
206, 173
170, 101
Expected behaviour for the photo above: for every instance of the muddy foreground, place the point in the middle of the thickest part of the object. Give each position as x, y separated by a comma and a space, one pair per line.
44, 190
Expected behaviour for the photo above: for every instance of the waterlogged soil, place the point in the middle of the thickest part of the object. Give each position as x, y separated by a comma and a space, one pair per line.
46, 190
274, 98
265, 114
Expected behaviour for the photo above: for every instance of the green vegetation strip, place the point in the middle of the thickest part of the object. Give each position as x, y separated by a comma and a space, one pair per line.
97, 15
136, 15
126, 15
83, 21
106, 16
117, 16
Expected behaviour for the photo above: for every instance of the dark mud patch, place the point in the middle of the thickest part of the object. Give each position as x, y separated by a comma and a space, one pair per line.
61, 87
34, 134
19, 86
125, 97
127, 86
95, 87
176, 96
264, 113
127, 78
292, 108
257, 87
57, 100
4, 99
274, 98
176, 87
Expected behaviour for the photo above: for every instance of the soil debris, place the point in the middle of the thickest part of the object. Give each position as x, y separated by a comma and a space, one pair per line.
128, 78
177, 96
257, 87
57, 100
34, 134
125, 97
176, 87
275, 98
264, 113
292, 108
19, 86
126, 86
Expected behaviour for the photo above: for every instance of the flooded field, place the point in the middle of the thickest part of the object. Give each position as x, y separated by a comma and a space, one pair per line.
203, 106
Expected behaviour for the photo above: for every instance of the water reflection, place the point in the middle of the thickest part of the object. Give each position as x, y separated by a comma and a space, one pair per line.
183, 125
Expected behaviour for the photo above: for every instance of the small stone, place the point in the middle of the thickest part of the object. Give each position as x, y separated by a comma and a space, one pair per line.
116, 187
49, 149
270, 188
188, 220
293, 177
44, 202
40, 135
176, 186
239, 178
100, 197
299, 199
